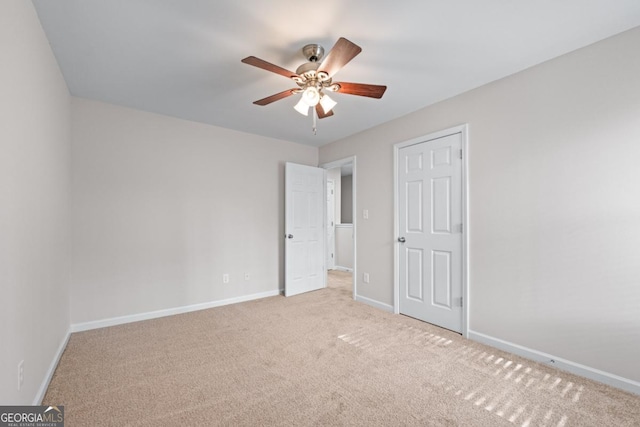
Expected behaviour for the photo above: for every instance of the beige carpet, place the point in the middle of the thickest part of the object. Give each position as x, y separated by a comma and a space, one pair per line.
314, 359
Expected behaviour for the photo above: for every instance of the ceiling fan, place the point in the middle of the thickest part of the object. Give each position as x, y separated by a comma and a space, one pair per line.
314, 78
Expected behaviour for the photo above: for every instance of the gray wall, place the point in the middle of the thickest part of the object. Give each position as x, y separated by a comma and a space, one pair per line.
344, 245
34, 203
347, 199
163, 207
554, 204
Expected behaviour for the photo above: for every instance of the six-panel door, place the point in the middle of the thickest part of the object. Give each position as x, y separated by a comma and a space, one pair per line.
430, 221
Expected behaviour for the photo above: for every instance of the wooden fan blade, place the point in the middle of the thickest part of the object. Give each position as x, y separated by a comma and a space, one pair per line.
273, 98
260, 63
321, 113
339, 55
360, 89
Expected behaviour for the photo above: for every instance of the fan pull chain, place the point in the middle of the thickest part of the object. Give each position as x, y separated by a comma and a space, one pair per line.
315, 116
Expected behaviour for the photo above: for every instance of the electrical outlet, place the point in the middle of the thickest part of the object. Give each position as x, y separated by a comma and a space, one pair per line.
247, 276
225, 278
365, 277
20, 374
365, 214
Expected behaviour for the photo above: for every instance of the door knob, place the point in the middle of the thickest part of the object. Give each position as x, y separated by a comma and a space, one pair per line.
401, 239
289, 236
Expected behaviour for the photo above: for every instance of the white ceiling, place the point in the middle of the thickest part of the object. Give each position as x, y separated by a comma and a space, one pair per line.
182, 57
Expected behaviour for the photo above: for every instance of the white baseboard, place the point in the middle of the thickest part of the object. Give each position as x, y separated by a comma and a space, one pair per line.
557, 362
86, 326
374, 303
52, 368
347, 269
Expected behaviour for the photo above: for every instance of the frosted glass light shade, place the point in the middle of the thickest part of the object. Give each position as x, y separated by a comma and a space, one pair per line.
302, 107
327, 103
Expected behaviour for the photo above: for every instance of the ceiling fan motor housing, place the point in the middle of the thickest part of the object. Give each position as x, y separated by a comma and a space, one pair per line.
308, 72
308, 75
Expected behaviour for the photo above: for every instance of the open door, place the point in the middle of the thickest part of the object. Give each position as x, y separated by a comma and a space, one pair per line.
305, 229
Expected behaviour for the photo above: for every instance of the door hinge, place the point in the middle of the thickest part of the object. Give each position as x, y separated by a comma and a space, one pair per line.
460, 302
460, 153
461, 228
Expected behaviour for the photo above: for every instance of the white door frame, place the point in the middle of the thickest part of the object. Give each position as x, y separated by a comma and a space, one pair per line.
464, 132
336, 164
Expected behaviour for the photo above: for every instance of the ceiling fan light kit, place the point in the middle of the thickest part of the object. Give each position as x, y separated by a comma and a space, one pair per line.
313, 78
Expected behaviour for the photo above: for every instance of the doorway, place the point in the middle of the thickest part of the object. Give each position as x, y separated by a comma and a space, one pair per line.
342, 175
431, 232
